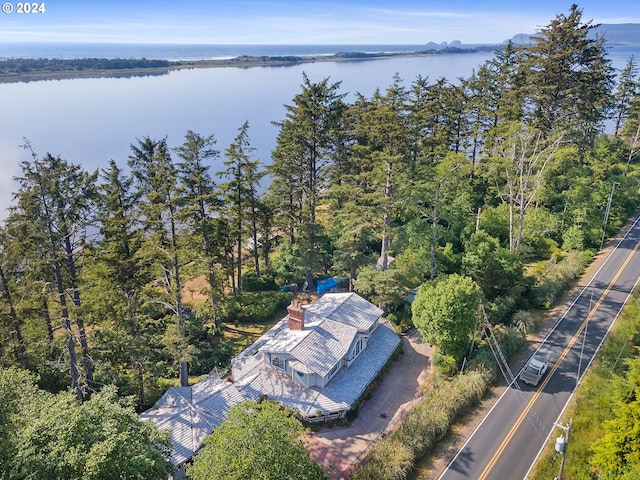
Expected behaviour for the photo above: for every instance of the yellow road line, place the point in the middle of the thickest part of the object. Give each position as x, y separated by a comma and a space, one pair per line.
529, 406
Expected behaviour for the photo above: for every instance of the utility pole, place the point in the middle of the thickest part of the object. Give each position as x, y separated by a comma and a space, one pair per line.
606, 213
561, 445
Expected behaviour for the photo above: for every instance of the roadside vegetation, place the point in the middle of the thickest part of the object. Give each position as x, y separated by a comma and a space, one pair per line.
488, 195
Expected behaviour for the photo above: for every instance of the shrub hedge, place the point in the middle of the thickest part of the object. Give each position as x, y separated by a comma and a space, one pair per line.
444, 400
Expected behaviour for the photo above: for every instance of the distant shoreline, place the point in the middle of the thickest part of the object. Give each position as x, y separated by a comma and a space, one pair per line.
31, 70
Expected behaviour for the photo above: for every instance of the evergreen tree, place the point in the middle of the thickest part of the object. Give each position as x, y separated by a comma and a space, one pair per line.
160, 203
240, 195
208, 233
13, 323
56, 203
119, 274
627, 89
303, 151
569, 79
382, 153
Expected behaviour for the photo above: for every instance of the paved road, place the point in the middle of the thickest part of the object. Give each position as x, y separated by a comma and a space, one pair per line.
509, 439
339, 447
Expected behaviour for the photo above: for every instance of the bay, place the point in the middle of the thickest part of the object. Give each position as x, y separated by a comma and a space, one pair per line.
90, 121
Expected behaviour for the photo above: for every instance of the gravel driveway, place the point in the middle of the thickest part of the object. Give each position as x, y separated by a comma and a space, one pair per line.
338, 448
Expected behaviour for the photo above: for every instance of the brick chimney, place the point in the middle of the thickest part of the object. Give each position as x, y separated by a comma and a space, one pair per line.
296, 315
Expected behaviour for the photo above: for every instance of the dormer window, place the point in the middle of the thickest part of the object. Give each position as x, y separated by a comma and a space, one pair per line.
278, 362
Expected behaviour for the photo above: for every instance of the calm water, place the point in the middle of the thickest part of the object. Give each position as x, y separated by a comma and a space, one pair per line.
90, 121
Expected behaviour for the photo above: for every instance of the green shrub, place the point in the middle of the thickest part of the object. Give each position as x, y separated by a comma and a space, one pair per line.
553, 279
499, 309
252, 283
216, 354
254, 307
523, 322
427, 423
389, 460
446, 365
483, 362
511, 340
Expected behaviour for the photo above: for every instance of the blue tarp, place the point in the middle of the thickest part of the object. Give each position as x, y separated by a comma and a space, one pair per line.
326, 285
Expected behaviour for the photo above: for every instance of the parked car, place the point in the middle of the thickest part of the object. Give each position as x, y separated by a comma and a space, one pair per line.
535, 368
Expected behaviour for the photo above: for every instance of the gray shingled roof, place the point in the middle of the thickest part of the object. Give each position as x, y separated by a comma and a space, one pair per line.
348, 308
343, 390
191, 413
325, 346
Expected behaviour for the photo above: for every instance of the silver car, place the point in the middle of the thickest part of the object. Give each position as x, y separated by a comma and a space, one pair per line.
534, 369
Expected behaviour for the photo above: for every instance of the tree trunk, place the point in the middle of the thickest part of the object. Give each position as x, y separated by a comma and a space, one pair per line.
239, 261
21, 353
434, 234
511, 217
47, 318
71, 344
383, 261
256, 253
87, 363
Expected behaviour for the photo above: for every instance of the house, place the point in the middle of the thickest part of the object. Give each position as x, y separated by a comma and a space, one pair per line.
318, 361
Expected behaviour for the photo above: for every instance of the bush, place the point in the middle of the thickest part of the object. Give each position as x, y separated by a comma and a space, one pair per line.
511, 340
216, 354
254, 307
553, 279
484, 362
427, 423
253, 283
523, 322
446, 365
500, 309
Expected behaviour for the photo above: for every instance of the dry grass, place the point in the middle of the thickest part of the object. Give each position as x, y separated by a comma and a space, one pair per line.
243, 335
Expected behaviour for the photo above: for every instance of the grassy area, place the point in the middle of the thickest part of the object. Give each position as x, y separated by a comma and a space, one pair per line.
243, 335
591, 404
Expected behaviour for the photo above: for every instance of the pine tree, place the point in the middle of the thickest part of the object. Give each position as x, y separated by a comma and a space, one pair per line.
57, 200
569, 79
160, 204
207, 233
628, 88
303, 151
240, 195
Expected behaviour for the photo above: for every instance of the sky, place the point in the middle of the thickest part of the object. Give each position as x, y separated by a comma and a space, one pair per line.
295, 21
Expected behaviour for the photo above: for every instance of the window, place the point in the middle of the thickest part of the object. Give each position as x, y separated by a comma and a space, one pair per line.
333, 370
355, 351
358, 347
278, 363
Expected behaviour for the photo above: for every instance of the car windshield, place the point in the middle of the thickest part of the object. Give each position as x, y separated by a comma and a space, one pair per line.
532, 369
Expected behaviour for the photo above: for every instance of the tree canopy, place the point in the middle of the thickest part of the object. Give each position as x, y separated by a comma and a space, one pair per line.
46, 436
258, 440
444, 312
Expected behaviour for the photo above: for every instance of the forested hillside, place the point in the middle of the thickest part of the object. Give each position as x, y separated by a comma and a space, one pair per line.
127, 276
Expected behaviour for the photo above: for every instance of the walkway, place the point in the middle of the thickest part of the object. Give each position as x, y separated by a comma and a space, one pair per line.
338, 448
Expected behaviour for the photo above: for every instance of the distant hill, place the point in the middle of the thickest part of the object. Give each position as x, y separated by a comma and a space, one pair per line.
614, 33
444, 45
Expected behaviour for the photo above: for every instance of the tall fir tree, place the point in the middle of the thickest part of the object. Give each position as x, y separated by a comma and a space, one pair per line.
160, 203
56, 200
304, 149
